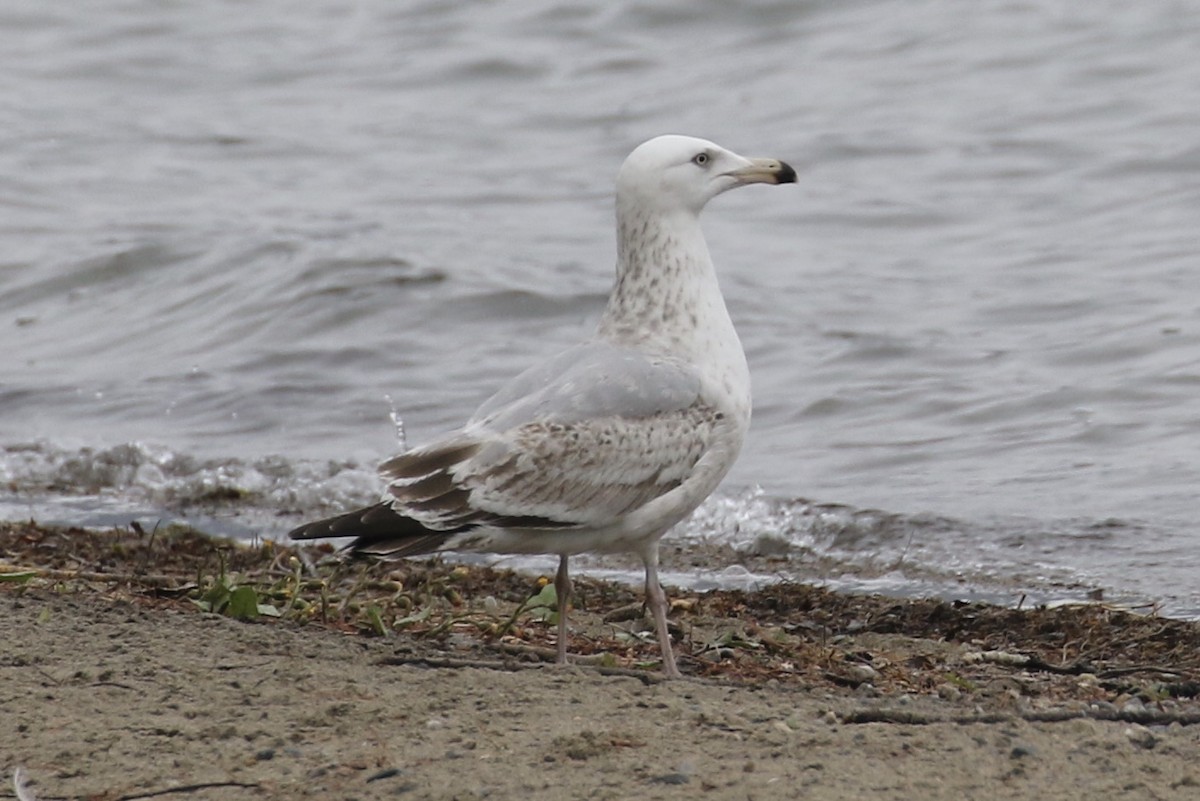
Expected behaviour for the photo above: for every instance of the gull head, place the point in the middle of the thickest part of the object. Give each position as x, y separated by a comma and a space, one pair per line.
682, 173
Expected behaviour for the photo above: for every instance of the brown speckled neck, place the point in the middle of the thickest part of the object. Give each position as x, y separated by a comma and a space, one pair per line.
665, 280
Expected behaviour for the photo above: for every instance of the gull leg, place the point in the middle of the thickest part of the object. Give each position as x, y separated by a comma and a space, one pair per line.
562, 587
656, 599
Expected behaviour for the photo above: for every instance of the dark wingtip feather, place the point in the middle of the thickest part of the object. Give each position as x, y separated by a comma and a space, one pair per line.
377, 530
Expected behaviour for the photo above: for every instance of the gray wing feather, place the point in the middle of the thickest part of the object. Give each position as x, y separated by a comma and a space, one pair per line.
590, 381
589, 472
575, 442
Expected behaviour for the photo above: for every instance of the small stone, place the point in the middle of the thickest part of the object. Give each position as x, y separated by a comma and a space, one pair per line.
1133, 706
770, 545
862, 673
1021, 751
386, 773
1140, 736
948, 692
672, 778
459, 642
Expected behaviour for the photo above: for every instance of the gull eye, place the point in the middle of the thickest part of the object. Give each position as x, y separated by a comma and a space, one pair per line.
700, 159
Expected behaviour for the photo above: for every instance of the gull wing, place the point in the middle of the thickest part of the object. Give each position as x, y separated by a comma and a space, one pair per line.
591, 381
576, 442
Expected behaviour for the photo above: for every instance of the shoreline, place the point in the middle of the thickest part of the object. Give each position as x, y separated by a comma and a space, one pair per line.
425, 680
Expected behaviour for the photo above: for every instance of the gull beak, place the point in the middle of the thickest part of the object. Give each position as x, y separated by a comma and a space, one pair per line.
764, 171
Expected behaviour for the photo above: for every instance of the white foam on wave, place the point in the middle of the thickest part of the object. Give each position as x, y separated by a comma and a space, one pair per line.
733, 541
91, 486
870, 550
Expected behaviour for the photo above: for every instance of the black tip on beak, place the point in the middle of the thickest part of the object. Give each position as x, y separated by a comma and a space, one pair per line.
786, 174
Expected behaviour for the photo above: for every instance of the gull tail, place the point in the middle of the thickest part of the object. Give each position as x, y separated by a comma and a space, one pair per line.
378, 531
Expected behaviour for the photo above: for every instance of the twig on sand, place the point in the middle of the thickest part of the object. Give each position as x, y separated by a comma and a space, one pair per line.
188, 788
23, 793
591, 663
906, 717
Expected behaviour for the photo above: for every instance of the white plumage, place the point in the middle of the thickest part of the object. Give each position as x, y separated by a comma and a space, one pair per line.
608, 445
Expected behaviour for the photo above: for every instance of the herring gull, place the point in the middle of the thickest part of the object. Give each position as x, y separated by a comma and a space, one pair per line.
608, 445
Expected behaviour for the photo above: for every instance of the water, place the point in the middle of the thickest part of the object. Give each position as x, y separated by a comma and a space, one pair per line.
236, 238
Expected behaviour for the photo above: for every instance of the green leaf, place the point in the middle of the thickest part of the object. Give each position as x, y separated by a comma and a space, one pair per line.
543, 606
416, 617
546, 599
243, 603
375, 618
215, 597
543, 615
17, 578
268, 610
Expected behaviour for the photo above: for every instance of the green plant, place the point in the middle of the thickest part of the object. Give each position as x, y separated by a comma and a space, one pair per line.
227, 597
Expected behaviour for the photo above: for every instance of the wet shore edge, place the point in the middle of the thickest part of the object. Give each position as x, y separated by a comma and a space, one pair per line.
790, 633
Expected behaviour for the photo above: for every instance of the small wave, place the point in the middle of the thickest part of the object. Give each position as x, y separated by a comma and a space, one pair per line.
871, 550
85, 486
731, 541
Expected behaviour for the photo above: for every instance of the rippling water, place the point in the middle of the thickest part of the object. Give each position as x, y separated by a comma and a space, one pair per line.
236, 238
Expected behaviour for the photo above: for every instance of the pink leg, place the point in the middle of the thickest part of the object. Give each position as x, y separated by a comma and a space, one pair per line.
562, 587
656, 599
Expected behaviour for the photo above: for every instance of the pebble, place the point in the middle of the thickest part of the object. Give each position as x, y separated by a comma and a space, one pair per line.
460, 642
862, 673
1133, 706
949, 692
386, 773
770, 545
672, 778
1140, 736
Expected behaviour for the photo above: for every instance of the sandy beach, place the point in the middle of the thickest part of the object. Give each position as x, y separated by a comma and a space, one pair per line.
426, 681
